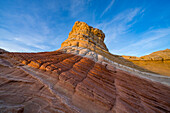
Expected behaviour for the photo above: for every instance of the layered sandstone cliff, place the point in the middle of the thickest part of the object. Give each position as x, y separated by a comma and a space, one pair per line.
83, 35
80, 77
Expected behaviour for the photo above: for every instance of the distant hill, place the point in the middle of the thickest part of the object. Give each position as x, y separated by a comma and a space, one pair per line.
158, 62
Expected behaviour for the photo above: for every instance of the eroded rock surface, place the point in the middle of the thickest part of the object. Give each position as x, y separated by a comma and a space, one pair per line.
21, 90
76, 79
83, 35
71, 83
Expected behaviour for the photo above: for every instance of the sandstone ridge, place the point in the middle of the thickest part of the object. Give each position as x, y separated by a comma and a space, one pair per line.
86, 41
83, 35
162, 55
63, 82
158, 62
81, 77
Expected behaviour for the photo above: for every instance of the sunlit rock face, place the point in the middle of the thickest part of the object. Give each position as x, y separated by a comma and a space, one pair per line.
163, 55
158, 62
86, 40
78, 78
83, 35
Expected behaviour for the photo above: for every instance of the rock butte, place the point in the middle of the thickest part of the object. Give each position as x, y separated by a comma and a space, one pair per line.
83, 35
82, 77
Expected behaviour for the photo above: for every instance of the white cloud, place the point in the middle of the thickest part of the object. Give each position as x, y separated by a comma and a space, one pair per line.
149, 41
14, 47
76, 7
119, 24
120, 28
108, 7
32, 42
27, 32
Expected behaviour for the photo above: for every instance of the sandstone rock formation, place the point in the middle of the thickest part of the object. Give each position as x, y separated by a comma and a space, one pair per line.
83, 35
79, 78
87, 41
163, 55
158, 62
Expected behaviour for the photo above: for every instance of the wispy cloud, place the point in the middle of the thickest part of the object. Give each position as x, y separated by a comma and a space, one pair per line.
120, 28
14, 47
34, 28
77, 7
27, 30
36, 43
22, 42
150, 41
45, 25
119, 24
107, 8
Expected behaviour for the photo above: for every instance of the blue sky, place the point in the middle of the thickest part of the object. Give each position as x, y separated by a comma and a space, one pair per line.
132, 27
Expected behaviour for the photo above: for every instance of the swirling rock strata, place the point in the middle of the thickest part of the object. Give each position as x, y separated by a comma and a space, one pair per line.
78, 79
69, 83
